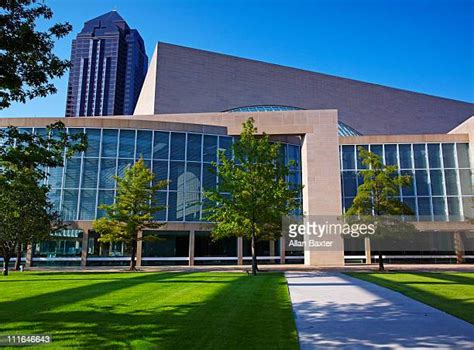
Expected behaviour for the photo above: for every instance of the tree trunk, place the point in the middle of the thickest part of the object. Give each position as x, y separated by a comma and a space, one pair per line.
133, 263
254, 256
381, 267
18, 257
6, 260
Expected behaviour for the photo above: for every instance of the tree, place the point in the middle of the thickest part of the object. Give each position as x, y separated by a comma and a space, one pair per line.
27, 62
24, 160
376, 199
253, 193
133, 210
26, 213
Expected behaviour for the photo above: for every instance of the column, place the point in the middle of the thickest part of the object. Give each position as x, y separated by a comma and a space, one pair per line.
138, 257
272, 250
322, 184
29, 255
282, 250
85, 247
458, 247
240, 251
192, 238
368, 251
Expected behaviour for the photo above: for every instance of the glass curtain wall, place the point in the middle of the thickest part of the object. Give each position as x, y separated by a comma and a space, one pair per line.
441, 189
185, 159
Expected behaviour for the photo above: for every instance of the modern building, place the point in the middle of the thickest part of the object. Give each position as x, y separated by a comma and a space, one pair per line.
109, 64
194, 102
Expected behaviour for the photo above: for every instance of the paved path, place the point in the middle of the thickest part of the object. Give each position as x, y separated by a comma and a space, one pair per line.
333, 310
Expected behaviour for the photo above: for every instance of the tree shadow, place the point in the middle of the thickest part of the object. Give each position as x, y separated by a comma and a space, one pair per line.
460, 302
456, 278
161, 310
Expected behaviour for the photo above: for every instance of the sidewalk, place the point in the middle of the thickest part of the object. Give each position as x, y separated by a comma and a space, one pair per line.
336, 311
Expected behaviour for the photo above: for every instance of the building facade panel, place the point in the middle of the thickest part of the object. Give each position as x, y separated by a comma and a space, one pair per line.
187, 80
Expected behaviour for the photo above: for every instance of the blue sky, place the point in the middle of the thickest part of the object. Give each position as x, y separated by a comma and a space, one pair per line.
420, 45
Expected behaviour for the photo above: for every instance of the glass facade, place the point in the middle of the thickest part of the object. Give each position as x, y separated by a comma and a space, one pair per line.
185, 159
441, 188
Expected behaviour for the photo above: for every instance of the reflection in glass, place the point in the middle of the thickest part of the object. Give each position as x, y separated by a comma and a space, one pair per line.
454, 208
463, 155
348, 157
109, 143
107, 171
176, 176
87, 205
160, 198
405, 156
419, 151
69, 206
437, 187
93, 143
391, 155
210, 148
448, 155
434, 155
193, 177
89, 172
73, 173
105, 197
161, 145
177, 146
127, 143
349, 183
194, 148
424, 208
421, 178
439, 209
451, 182
144, 140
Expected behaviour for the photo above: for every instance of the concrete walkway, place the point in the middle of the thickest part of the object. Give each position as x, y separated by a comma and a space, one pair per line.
333, 310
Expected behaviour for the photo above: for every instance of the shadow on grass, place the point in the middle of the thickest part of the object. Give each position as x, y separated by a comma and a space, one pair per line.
456, 278
451, 293
237, 312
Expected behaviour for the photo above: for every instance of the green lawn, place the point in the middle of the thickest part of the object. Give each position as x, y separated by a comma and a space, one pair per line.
450, 292
150, 310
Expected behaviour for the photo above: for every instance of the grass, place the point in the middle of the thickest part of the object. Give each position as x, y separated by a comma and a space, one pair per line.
150, 310
450, 292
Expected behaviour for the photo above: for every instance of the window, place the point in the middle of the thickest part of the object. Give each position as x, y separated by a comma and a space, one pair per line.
127, 144
161, 145
210, 148
348, 157
405, 156
93, 143
89, 173
107, 171
391, 155
144, 143
177, 146
194, 147
420, 156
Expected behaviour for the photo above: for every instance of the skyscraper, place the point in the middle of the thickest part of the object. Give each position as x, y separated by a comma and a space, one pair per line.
109, 64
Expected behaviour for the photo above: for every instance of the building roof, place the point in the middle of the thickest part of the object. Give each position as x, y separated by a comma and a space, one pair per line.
108, 22
187, 80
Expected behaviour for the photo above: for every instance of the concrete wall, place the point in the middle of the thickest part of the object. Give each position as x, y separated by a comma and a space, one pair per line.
195, 81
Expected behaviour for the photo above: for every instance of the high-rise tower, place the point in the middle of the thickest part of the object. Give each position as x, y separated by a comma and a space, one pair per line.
109, 65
